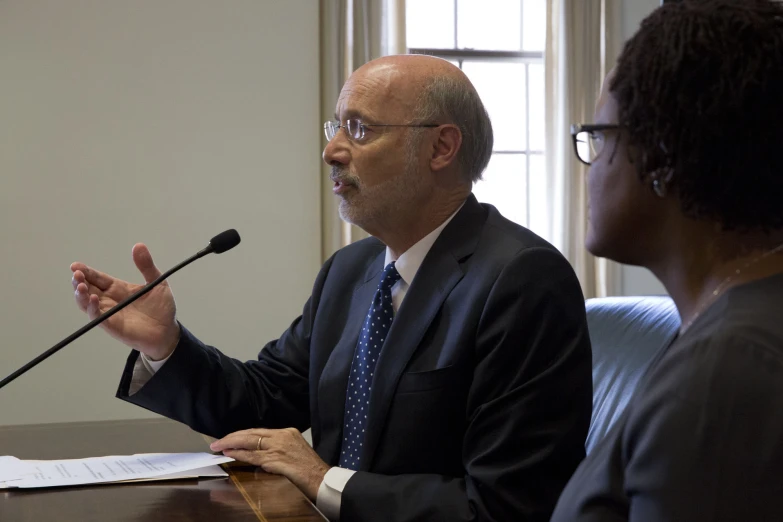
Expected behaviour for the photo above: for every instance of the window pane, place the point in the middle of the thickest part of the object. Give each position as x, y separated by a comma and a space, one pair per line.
533, 25
489, 24
501, 87
539, 210
537, 101
504, 186
430, 24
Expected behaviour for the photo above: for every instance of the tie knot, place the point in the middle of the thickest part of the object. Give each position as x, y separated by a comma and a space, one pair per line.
390, 276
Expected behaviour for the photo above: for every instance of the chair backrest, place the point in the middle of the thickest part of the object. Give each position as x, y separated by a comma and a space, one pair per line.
626, 333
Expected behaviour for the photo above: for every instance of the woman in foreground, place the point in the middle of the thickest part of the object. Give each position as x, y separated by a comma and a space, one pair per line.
686, 179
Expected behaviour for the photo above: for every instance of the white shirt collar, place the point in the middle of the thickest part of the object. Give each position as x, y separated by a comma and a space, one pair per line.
410, 261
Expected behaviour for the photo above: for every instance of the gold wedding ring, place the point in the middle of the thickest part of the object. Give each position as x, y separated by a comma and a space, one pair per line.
258, 444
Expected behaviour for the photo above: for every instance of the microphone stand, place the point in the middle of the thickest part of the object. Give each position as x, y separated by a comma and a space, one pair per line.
98, 320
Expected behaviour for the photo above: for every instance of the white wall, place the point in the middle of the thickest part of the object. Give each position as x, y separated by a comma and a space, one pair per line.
636, 280
163, 121
634, 11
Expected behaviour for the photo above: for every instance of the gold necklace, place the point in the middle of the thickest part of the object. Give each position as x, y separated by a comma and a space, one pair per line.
723, 284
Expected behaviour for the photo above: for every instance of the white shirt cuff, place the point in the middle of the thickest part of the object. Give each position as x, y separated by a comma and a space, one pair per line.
330, 492
153, 366
143, 371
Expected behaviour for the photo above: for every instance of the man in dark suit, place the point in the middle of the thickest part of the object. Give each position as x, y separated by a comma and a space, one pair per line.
443, 365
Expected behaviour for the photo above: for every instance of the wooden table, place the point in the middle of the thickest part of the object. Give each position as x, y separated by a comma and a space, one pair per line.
248, 494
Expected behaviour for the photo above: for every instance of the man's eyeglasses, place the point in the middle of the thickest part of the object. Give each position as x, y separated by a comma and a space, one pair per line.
589, 140
357, 129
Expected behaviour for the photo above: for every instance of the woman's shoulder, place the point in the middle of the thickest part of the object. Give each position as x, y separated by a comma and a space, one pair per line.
745, 322
738, 347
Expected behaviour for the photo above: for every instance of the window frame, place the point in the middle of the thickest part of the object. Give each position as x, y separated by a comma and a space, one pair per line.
487, 55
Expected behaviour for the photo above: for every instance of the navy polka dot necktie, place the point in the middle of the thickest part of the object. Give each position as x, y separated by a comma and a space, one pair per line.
357, 401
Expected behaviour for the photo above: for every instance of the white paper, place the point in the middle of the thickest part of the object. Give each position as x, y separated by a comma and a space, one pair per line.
207, 472
12, 468
214, 471
96, 470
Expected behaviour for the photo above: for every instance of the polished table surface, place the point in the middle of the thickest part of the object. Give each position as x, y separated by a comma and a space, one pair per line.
248, 494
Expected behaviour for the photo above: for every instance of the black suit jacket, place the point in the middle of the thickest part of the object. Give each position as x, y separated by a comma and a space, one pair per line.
482, 395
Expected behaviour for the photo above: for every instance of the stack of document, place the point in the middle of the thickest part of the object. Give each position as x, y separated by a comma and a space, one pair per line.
15, 473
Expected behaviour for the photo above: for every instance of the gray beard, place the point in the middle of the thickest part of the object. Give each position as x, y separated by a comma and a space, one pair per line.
389, 201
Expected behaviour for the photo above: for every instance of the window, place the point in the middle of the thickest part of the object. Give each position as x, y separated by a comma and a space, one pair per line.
499, 44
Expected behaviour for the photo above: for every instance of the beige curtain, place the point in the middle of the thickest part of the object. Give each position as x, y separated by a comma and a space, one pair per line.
583, 41
353, 32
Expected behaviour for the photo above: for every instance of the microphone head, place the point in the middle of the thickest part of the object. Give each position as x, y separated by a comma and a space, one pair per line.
224, 241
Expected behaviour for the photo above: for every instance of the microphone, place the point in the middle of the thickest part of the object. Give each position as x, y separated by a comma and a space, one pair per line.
217, 245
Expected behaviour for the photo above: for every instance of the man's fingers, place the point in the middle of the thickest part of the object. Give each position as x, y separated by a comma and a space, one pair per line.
83, 290
261, 432
82, 296
263, 459
143, 260
243, 439
250, 457
94, 277
80, 285
76, 278
93, 307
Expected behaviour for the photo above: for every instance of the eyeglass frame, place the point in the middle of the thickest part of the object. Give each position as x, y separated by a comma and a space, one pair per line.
577, 128
362, 126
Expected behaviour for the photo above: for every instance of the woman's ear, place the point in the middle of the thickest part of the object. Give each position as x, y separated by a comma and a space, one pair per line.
661, 181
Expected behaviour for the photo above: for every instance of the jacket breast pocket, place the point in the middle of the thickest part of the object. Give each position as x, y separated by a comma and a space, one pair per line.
413, 382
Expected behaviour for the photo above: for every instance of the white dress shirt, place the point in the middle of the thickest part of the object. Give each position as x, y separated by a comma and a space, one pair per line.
330, 492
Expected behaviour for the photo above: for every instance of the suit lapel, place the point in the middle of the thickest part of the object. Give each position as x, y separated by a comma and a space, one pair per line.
437, 276
333, 383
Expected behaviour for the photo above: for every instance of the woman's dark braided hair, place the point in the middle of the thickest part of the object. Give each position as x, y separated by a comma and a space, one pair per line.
700, 91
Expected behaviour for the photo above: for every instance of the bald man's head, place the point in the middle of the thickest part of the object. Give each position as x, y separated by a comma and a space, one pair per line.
410, 138
426, 89
412, 71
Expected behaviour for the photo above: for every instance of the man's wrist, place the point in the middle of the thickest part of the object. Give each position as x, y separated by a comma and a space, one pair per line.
172, 345
316, 481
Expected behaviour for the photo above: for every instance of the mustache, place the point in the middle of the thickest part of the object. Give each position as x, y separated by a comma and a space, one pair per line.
341, 175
